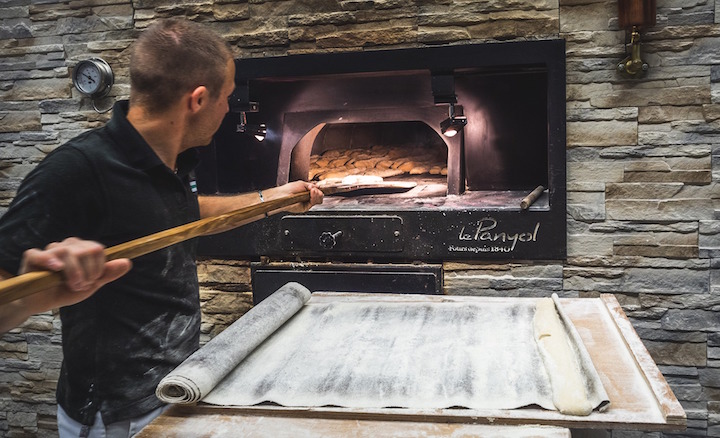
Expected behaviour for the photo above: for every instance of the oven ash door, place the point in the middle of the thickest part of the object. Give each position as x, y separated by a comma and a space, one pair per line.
342, 234
425, 279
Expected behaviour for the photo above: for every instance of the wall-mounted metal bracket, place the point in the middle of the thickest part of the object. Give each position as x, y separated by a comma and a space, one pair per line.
633, 65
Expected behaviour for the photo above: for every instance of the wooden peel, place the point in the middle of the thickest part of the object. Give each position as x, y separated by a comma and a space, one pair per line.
36, 281
32, 282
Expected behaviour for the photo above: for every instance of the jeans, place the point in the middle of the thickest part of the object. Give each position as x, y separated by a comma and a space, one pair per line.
69, 428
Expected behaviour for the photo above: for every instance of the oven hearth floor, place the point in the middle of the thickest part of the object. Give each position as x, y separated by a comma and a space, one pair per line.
431, 196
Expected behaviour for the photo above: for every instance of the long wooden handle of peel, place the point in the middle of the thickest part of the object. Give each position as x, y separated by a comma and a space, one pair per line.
32, 282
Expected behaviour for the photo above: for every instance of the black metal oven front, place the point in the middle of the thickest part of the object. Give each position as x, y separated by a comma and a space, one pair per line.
386, 113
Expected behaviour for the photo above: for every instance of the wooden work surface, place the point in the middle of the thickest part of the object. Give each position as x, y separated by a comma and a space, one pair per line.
640, 398
181, 422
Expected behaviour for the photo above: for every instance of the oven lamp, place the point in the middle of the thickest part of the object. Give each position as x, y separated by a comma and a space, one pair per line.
257, 131
452, 125
260, 132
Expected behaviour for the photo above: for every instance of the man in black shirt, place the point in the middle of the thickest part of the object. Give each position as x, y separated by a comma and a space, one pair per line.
126, 180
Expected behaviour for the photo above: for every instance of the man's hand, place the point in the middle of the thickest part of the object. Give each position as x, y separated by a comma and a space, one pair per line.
82, 263
85, 270
215, 205
316, 196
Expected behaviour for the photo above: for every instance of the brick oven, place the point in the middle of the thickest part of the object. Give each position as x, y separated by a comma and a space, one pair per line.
386, 114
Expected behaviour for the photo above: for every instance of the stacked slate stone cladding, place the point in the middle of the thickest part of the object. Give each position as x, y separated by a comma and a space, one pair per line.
643, 158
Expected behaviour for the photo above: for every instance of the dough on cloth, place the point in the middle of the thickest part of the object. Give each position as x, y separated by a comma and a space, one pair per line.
570, 395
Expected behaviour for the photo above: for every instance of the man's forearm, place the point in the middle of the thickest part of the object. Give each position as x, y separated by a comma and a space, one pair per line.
215, 205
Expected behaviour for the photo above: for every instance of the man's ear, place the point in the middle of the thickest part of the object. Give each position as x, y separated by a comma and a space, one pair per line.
198, 98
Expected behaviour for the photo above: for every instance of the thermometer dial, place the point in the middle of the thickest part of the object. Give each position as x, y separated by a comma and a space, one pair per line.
93, 77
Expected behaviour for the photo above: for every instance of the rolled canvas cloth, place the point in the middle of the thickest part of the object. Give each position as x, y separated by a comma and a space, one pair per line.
199, 373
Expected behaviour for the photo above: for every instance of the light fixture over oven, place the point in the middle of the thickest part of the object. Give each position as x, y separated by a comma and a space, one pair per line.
454, 123
239, 102
443, 89
259, 131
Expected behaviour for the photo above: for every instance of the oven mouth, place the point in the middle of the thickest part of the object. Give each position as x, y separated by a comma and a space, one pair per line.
410, 157
407, 156
388, 150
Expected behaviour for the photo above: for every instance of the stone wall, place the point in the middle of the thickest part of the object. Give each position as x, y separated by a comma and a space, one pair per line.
643, 158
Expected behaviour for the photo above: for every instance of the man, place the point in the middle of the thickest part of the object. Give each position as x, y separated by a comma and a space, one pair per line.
84, 270
125, 180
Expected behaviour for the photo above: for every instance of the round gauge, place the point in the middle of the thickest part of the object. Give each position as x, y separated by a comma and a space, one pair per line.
93, 77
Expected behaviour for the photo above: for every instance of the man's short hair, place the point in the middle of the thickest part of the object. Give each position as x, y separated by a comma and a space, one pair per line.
174, 56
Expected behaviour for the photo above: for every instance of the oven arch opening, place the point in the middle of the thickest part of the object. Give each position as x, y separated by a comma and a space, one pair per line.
305, 132
393, 150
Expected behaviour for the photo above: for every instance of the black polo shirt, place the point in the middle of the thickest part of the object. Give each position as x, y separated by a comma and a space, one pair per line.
108, 185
